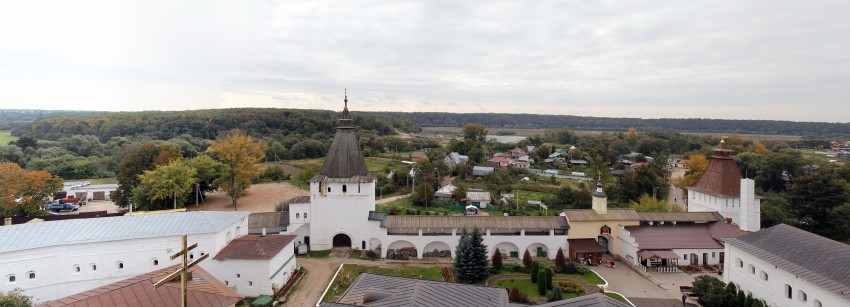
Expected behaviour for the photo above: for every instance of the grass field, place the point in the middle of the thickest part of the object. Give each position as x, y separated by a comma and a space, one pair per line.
350, 272
528, 288
6, 137
532, 132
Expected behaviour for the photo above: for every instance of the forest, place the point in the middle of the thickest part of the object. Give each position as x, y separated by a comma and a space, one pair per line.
538, 121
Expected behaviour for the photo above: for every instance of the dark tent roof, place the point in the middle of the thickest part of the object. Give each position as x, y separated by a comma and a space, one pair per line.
344, 158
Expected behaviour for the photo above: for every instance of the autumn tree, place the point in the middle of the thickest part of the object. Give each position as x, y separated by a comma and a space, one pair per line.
172, 181
474, 132
240, 153
136, 161
23, 192
648, 203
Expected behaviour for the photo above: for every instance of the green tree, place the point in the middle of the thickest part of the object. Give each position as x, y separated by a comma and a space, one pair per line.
471, 257
15, 298
541, 286
137, 160
474, 132
776, 169
172, 181
208, 171
710, 290
556, 295
649, 204
240, 153
535, 268
812, 199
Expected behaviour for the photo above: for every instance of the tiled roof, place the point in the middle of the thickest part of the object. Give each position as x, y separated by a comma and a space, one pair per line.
722, 177
254, 247
104, 229
683, 235
811, 257
589, 215
258, 220
203, 290
379, 290
480, 222
590, 300
300, 200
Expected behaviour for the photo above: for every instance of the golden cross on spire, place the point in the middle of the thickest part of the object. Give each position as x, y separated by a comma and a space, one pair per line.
183, 271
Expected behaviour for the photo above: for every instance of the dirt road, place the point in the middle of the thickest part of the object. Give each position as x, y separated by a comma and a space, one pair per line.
675, 195
261, 198
389, 199
319, 273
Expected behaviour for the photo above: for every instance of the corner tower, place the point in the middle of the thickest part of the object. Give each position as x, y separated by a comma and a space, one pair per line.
343, 192
722, 189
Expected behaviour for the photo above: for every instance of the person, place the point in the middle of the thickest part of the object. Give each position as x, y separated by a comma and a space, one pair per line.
684, 298
607, 263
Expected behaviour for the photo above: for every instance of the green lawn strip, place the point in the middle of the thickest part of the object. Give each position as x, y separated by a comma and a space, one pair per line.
6, 137
528, 288
351, 271
617, 297
590, 278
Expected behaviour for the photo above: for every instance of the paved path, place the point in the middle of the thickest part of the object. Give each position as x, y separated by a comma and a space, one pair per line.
319, 273
675, 194
590, 289
631, 284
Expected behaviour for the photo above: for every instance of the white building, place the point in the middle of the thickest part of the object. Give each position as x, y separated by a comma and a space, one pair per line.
664, 246
786, 266
255, 264
722, 189
340, 212
50, 260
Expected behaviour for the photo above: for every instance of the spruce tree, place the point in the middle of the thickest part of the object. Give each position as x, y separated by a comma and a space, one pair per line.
479, 256
461, 257
471, 257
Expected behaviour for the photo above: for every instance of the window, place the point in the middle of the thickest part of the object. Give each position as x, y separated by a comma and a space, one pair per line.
802, 296
250, 283
740, 263
752, 269
298, 215
11, 278
329, 189
155, 262
94, 267
305, 215
120, 265
818, 303
32, 275
686, 256
788, 291
344, 188
712, 255
76, 268
237, 275
764, 275
191, 255
226, 283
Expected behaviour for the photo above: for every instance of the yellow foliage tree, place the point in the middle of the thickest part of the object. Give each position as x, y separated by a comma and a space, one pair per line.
648, 203
240, 153
696, 166
22, 192
759, 149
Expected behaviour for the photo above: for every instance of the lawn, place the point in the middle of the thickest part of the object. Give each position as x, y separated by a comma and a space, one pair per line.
528, 288
6, 137
350, 272
590, 278
617, 297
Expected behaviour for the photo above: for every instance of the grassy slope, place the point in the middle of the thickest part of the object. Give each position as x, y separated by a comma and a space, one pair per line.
6, 137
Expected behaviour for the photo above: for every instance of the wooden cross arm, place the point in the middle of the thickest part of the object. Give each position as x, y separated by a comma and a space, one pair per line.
180, 253
177, 273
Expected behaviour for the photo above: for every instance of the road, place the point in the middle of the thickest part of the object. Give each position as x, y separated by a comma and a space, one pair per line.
319, 273
675, 195
389, 199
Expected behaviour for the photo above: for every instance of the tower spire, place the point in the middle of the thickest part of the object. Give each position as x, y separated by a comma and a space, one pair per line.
345, 119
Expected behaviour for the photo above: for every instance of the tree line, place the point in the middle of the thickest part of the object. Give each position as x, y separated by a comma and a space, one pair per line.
540, 121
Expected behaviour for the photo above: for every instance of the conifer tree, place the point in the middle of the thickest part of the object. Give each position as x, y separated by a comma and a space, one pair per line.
541, 286
471, 257
535, 268
497, 260
526, 259
561, 261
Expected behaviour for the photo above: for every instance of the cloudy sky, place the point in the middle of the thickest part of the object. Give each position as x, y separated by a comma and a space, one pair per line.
718, 59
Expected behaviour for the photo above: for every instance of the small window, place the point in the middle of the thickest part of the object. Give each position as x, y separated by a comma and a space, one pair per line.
76, 268
32, 275
94, 267
298, 215
686, 256
250, 283
329, 189
344, 188
120, 265
11, 278
764, 276
226, 283
237, 275
712, 255
788, 291
740, 263
802, 296
155, 262
191, 255
752, 269
305, 215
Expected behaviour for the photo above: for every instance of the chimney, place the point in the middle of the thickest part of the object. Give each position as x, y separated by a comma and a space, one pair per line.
7, 221
264, 231
750, 218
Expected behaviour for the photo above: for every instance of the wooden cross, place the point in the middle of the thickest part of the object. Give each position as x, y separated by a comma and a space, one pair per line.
182, 272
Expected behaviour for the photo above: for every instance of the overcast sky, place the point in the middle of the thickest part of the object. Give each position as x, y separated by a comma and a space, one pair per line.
716, 59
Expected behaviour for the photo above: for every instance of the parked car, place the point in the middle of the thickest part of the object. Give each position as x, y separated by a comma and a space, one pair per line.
56, 207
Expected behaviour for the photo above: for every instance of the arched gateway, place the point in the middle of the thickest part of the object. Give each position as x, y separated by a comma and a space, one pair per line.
342, 240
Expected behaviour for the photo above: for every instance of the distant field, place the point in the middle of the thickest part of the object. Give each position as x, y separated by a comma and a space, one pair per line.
532, 132
6, 137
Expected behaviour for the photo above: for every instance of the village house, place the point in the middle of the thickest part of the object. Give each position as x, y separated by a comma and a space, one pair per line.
445, 192
417, 156
454, 159
481, 171
499, 162
517, 152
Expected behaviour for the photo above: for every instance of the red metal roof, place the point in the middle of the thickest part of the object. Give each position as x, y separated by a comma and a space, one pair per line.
203, 290
708, 235
722, 177
253, 247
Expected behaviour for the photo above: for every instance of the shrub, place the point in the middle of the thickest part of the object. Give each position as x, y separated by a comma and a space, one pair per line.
281, 206
514, 295
583, 270
535, 269
541, 286
392, 211
549, 275
516, 268
497, 260
371, 255
560, 260
526, 259
274, 173
568, 286
556, 294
